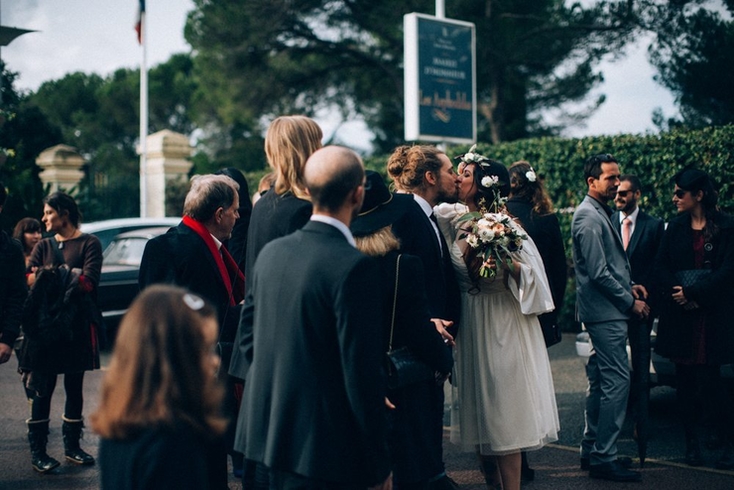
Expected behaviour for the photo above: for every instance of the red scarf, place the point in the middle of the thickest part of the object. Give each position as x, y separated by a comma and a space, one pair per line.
226, 264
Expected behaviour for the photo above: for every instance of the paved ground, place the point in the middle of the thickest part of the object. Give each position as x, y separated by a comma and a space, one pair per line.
556, 465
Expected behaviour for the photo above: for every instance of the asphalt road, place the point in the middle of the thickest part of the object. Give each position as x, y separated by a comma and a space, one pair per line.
556, 465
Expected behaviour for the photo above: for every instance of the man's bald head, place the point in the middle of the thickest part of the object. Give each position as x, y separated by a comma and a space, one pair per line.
332, 173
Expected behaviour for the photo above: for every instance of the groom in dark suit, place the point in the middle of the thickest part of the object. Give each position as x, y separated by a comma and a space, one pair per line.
641, 235
428, 174
313, 410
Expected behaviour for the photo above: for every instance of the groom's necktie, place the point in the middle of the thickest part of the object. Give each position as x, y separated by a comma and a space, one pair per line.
438, 236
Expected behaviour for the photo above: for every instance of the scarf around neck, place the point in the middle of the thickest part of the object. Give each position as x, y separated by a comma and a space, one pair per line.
225, 262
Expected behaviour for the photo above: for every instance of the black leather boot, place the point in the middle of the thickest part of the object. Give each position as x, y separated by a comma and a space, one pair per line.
527, 474
726, 461
693, 450
488, 467
72, 430
37, 437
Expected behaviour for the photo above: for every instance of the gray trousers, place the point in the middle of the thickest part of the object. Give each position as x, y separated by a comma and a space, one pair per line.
606, 397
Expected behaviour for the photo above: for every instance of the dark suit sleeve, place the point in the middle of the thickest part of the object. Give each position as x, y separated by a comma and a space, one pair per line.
155, 266
242, 350
358, 316
13, 275
413, 325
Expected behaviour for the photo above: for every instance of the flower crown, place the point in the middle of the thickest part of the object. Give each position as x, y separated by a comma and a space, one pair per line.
490, 182
472, 157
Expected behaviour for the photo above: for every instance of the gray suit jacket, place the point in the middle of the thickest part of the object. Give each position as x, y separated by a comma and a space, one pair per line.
603, 280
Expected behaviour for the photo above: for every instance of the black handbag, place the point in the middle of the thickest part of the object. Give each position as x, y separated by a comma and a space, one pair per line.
403, 366
689, 277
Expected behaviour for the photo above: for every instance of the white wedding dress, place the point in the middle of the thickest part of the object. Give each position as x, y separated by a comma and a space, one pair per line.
504, 400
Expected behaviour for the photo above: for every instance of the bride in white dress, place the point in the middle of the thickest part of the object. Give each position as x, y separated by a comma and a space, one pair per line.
506, 401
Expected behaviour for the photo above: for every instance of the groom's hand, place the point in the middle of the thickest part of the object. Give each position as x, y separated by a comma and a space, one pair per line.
441, 327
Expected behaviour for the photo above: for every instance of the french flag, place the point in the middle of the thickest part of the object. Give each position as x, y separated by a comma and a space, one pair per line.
139, 23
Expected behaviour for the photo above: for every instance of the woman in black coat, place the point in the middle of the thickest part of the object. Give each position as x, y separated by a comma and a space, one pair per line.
695, 329
411, 417
529, 203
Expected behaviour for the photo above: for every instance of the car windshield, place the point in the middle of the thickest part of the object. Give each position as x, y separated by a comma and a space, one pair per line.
125, 251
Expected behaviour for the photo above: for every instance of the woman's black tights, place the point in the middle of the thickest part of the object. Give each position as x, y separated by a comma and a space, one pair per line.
73, 386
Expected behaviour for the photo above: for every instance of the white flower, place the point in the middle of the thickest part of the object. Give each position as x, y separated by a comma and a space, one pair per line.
472, 240
530, 175
490, 180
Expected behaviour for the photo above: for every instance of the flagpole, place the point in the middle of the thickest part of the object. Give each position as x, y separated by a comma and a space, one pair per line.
143, 117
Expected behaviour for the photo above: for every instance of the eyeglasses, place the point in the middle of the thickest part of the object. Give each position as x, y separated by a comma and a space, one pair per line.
624, 193
680, 193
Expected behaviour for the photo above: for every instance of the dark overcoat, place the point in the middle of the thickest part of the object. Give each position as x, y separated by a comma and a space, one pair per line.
315, 390
714, 294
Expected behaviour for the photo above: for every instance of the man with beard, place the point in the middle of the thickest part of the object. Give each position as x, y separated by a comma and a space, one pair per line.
641, 235
605, 300
427, 173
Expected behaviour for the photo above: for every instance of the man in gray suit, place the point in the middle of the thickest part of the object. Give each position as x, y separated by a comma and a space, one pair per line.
605, 300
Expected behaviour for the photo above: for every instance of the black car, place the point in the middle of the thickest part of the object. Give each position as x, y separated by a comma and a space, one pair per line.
118, 284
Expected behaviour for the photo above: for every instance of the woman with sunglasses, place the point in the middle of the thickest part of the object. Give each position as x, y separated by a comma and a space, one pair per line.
695, 272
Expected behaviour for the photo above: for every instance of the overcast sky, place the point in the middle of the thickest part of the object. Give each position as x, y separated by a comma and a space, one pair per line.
98, 36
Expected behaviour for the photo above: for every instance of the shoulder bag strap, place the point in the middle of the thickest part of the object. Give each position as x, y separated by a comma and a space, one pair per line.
394, 301
58, 256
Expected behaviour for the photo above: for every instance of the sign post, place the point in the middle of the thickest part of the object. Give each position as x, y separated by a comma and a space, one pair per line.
440, 79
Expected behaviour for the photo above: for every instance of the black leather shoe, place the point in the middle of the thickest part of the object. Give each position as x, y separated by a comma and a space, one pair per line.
623, 461
443, 483
613, 471
527, 475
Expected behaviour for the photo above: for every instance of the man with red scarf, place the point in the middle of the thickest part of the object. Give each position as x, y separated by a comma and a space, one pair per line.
191, 255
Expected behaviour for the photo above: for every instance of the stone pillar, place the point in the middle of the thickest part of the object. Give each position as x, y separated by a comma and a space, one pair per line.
167, 167
62, 168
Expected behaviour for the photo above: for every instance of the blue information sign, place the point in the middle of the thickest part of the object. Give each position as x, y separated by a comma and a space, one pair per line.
440, 81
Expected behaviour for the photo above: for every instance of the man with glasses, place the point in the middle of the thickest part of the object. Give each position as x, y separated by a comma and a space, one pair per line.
641, 235
605, 300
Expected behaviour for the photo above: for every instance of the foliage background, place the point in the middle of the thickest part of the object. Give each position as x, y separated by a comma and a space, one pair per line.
653, 158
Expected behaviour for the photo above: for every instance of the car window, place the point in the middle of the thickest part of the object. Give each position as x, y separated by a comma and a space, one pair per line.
125, 251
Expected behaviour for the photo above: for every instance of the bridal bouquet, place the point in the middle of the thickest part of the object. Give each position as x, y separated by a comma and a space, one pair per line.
491, 233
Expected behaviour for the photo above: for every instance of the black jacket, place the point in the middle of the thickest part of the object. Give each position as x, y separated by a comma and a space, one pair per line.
714, 294
314, 401
13, 288
546, 233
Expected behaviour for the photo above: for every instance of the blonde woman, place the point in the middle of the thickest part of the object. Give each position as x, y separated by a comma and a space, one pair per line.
283, 209
159, 413
286, 207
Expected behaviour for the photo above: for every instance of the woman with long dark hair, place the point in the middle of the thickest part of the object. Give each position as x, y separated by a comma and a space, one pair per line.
160, 405
695, 273
530, 204
60, 326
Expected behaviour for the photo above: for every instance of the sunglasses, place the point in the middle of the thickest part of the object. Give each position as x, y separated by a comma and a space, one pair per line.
623, 193
680, 193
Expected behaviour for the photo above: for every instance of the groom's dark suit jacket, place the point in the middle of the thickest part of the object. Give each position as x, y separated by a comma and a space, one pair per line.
417, 237
314, 392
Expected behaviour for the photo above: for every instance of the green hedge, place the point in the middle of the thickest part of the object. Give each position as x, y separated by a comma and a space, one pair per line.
653, 158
